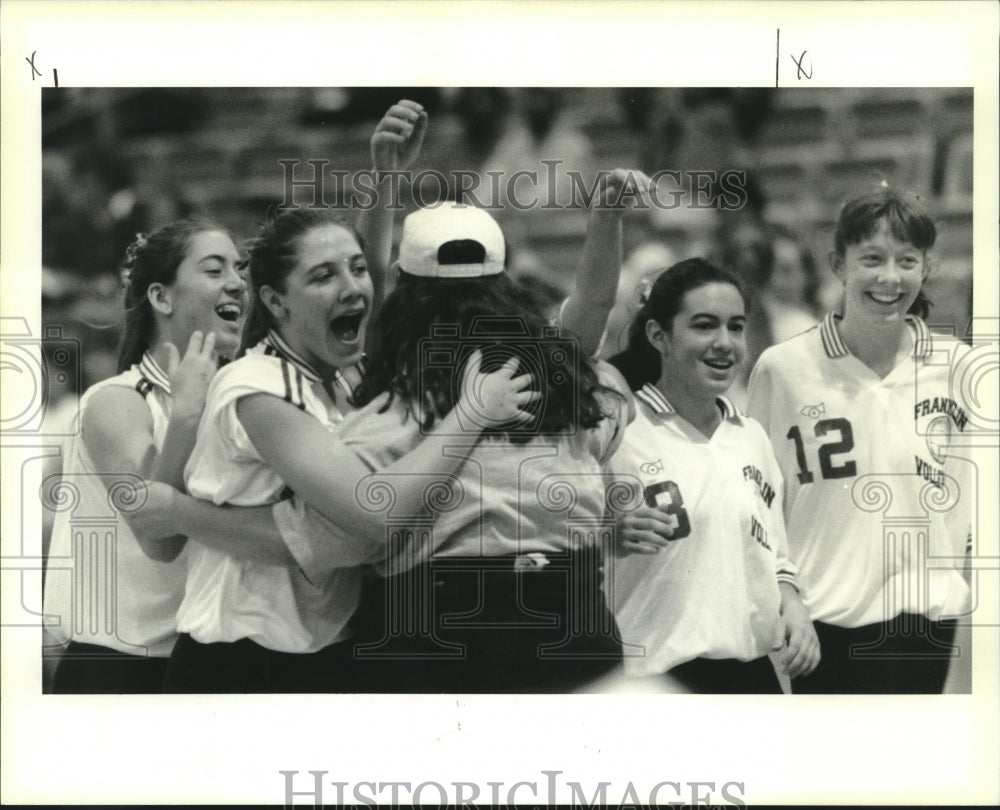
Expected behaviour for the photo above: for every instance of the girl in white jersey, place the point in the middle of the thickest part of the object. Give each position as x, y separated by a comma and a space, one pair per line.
864, 420
702, 587
112, 605
256, 625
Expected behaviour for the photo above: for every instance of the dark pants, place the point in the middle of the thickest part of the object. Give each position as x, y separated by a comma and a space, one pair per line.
244, 667
908, 655
727, 676
89, 669
487, 625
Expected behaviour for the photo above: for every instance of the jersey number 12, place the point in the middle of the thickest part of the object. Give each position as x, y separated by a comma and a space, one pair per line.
826, 451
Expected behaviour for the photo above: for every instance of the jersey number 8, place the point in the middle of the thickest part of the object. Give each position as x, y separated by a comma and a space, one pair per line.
674, 507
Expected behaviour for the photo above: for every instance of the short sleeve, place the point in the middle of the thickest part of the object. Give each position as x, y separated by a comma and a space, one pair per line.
318, 544
224, 466
759, 393
785, 568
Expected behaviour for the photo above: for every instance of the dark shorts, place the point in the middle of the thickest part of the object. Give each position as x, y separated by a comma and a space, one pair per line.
89, 669
487, 625
727, 676
908, 655
245, 667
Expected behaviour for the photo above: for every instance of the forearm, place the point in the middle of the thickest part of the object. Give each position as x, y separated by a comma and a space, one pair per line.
168, 468
438, 456
790, 597
395, 144
375, 224
586, 312
796, 634
244, 532
325, 473
320, 545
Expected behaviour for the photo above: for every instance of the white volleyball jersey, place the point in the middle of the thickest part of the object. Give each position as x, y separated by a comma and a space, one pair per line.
873, 494
545, 495
713, 591
100, 587
228, 599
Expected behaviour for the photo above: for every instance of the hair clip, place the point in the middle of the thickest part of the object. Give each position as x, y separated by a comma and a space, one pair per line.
643, 290
132, 251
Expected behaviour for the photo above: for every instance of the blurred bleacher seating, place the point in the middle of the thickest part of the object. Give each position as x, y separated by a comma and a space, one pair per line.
815, 148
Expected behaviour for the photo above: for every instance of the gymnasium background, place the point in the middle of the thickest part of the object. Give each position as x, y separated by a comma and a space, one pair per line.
120, 161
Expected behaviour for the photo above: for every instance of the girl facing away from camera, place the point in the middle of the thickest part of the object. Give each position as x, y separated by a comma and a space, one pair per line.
495, 585
703, 589
105, 599
867, 424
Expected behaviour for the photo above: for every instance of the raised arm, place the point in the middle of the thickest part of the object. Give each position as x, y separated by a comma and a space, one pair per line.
395, 145
585, 312
323, 472
189, 380
115, 450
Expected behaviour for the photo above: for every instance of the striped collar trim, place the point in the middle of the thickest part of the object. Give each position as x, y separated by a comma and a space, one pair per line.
729, 411
654, 398
921, 337
659, 404
152, 371
835, 347
283, 350
346, 379
832, 344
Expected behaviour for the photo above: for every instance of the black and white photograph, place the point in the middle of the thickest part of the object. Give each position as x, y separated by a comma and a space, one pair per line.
423, 403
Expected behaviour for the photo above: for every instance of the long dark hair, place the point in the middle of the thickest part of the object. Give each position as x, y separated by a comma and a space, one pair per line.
272, 258
905, 215
427, 327
152, 259
640, 363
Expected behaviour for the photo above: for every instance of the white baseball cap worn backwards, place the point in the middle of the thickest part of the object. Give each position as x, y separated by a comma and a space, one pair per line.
451, 241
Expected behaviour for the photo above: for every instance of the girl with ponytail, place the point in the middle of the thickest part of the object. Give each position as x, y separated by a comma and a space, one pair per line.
702, 582
114, 607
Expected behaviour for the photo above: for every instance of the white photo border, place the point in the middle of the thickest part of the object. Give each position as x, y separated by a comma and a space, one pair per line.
231, 749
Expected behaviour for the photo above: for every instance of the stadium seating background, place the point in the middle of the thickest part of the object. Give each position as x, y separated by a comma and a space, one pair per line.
120, 160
